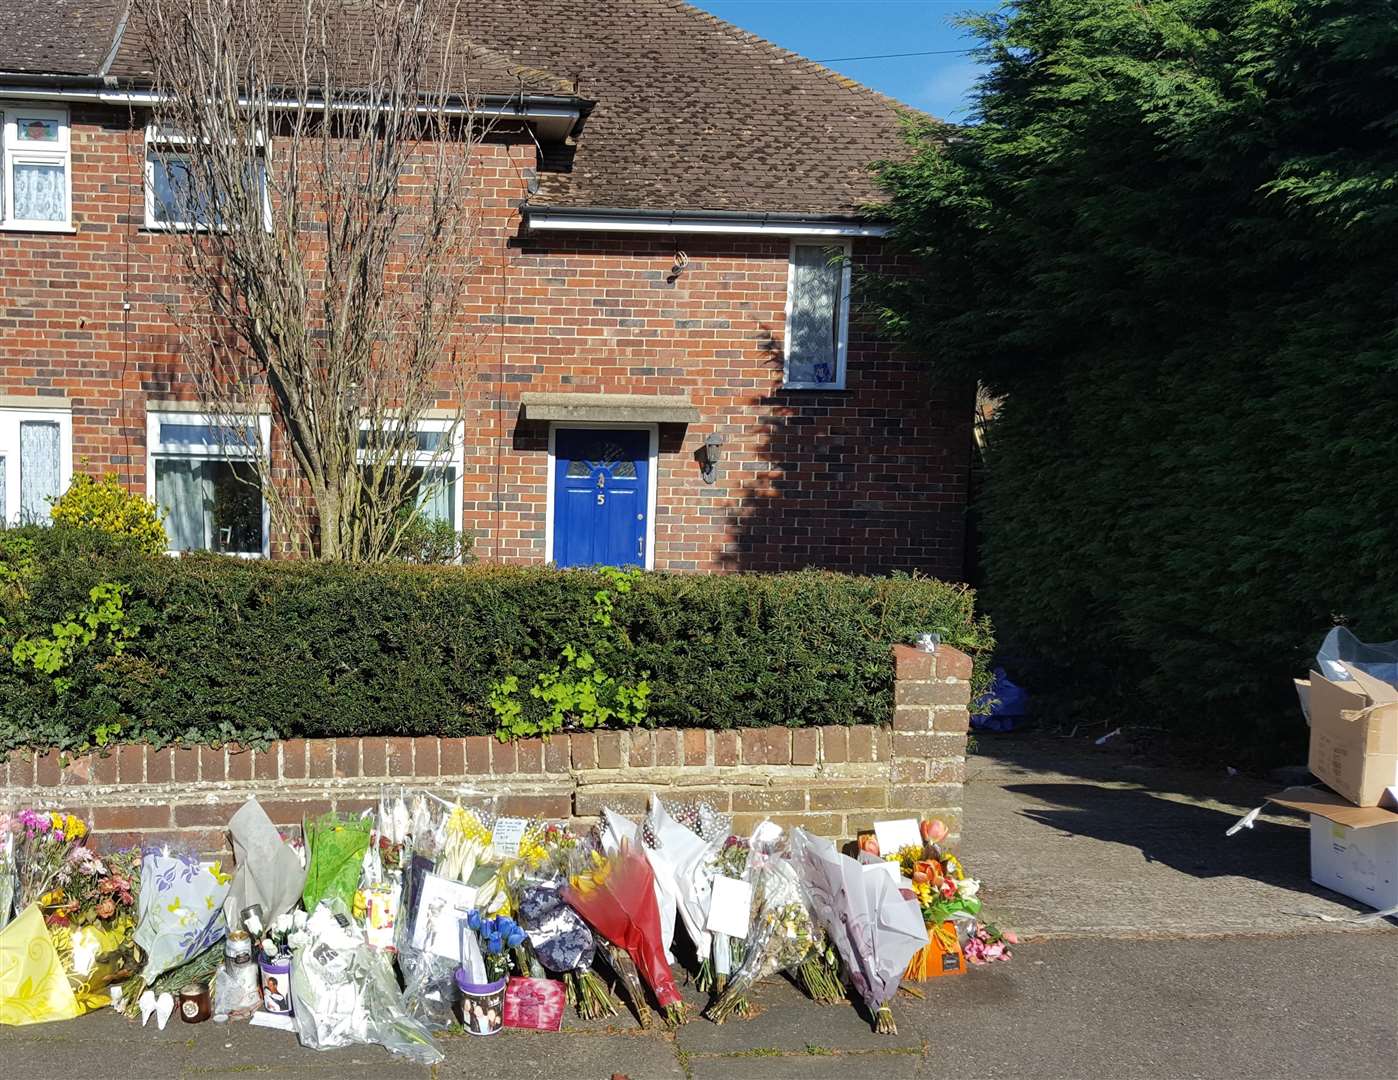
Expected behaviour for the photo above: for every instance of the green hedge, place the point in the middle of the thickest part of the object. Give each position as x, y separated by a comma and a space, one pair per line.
233, 650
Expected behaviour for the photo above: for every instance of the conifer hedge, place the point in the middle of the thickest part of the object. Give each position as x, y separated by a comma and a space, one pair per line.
210, 649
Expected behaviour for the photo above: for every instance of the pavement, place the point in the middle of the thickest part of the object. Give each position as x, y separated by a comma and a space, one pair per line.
1153, 947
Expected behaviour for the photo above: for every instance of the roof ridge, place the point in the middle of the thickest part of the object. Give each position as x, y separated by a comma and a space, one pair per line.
853, 86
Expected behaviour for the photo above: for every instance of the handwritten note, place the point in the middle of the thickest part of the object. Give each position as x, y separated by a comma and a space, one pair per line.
507, 834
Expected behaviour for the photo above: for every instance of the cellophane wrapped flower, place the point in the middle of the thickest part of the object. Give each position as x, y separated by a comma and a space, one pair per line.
564, 944
7, 868
730, 859
616, 895
782, 932
42, 843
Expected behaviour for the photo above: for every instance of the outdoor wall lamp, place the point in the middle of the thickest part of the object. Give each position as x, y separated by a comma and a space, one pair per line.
707, 456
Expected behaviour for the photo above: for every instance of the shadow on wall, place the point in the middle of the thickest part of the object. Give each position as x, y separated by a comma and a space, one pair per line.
863, 480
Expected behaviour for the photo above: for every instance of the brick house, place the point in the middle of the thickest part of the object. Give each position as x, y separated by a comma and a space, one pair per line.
657, 310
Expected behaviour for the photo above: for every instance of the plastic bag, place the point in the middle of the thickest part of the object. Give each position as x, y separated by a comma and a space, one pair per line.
346, 993
1341, 647
429, 989
336, 844
34, 988
1008, 701
179, 909
234, 998
95, 956
7, 867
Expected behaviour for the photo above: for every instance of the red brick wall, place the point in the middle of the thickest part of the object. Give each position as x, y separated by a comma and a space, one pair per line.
833, 781
871, 478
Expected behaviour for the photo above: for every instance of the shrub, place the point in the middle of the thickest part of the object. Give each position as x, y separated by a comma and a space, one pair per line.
222, 649
103, 504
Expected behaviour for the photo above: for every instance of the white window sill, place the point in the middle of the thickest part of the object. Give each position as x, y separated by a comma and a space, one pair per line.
59, 228
813, 386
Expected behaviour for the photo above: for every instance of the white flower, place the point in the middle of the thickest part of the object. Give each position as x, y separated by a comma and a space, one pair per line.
967, 888
299, 939
281, 924
298, 918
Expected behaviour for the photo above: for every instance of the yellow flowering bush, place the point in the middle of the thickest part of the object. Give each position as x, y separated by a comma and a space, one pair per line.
103, 504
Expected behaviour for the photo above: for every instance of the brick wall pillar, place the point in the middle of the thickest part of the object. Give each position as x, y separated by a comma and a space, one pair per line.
931, 715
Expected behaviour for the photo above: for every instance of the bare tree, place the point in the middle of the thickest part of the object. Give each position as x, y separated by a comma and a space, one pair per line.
315, 158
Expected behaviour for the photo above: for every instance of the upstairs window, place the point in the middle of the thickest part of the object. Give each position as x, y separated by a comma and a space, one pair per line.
36, 462
202, 474
817, 316
36, 155
177, 198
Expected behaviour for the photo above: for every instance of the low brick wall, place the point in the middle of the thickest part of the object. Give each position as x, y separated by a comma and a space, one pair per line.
832, 780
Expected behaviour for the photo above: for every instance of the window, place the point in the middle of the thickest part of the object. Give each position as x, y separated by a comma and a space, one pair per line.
175, 197
36, 462
817, 316
202, 474
37, 182
436, 471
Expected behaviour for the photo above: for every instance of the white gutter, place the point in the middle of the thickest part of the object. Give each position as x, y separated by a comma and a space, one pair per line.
551, 114
542, 219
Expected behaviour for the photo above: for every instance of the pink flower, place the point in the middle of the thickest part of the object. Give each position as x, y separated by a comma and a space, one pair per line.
994, 952
1011, 937
106, 908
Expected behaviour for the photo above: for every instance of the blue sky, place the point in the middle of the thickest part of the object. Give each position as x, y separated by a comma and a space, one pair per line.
826, 29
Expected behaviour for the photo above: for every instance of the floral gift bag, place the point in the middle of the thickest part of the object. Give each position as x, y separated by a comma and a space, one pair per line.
180, 909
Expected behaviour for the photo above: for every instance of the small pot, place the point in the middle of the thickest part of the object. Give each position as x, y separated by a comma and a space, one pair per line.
276, 984
482, 1004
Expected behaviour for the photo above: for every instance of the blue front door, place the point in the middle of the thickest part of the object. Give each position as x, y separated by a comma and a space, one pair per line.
601, 485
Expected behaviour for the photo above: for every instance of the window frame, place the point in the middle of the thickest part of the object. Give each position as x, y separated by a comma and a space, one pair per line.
170, 143
11, 416
207, 452
15, 152
455, 458
846, 248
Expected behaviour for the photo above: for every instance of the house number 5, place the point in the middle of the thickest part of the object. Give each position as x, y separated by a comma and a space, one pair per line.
601, 499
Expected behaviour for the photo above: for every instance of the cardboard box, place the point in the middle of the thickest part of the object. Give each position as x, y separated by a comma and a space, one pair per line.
1354, 736
1354, 849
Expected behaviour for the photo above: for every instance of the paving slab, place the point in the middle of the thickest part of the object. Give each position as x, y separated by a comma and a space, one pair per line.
1081, 842
537, 1055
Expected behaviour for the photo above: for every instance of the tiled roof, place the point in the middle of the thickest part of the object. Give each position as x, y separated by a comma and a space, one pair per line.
690, 112
57, 37
693, 113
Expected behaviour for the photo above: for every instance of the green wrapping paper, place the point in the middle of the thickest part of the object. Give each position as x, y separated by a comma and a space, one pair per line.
335, 845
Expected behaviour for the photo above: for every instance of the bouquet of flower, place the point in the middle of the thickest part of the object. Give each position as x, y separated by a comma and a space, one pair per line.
7, 869
495, 938
782, 932
179, 908
729, 859
90, 890
335, 844
285, 935
42, 842
565, 945
874, 928
616, 895
989, 943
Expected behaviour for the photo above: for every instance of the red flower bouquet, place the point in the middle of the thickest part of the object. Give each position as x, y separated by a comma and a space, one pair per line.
617, 898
